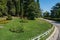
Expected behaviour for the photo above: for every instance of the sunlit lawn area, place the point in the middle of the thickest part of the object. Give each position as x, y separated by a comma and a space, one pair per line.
32, 28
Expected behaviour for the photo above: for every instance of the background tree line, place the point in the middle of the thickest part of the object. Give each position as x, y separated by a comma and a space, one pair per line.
22, 8
54, 13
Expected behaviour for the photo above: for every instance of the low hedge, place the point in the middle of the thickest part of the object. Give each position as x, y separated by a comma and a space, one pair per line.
55, 19
9, 17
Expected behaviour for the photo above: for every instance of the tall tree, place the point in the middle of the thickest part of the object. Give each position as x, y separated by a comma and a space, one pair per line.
9, 4
3, 7
37, 9
46, 14
16, 5
55, 12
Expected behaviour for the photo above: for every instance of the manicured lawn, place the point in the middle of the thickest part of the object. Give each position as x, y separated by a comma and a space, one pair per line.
31, 29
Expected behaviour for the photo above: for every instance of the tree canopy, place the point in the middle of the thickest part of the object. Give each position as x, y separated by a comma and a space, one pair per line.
55, 12
22, 8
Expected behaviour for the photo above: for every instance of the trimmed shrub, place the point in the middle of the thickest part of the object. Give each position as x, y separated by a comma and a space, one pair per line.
48, 18
9, 17
55, 19
31, 16
23, 21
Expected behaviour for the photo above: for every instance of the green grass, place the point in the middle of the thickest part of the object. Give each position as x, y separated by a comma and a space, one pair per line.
31, 29
49, 34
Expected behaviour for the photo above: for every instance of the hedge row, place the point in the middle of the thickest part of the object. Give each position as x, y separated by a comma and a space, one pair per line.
55, 19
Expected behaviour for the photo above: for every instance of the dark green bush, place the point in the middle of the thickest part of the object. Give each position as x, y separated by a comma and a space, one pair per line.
1, 14
31, 16
47, 17
23, 21
9, 17
55, 19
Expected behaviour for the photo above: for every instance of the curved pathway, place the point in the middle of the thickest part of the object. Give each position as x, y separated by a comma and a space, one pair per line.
57, 24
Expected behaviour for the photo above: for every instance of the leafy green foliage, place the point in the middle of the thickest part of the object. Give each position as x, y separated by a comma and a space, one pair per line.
0, 14
55, 12
22, 8
30, 8
9, 17
3, 7
46, 14
31, 16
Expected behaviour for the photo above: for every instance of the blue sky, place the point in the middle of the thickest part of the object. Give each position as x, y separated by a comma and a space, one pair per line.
46, 5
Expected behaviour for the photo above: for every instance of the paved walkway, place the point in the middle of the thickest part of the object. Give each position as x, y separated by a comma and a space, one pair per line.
57, 24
